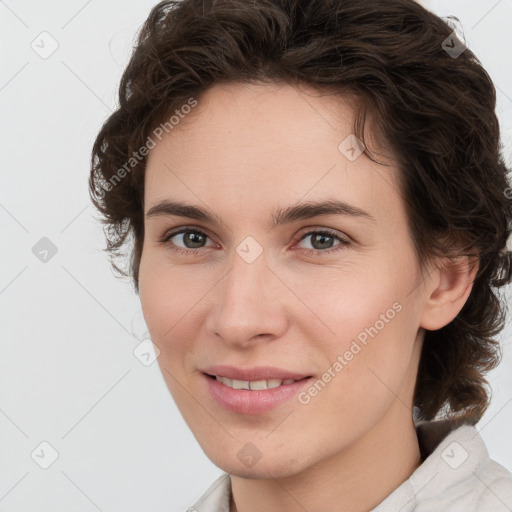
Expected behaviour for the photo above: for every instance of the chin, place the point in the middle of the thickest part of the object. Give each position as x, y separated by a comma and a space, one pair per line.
276, 467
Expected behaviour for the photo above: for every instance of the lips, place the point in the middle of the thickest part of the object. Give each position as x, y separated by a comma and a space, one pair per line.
252, 401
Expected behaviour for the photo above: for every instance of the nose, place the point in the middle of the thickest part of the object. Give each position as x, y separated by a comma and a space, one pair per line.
250, 304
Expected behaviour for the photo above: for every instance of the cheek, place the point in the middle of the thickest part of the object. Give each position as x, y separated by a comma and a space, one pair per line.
167, 299
168, 295
372, 327
364, 373
343, 304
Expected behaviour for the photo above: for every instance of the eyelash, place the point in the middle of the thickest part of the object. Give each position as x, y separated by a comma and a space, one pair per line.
166, 239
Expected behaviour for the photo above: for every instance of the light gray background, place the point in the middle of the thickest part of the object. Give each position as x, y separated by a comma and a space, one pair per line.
67, 370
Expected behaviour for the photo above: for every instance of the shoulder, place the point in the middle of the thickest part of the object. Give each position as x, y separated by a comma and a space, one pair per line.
493, 487
459, 476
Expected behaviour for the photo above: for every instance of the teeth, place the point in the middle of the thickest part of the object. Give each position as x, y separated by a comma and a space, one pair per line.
258, 384
253, 384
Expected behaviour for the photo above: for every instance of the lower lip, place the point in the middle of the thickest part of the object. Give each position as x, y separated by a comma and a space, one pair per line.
245, 401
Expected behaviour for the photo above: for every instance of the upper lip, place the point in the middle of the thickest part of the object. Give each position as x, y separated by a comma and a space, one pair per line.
254, 373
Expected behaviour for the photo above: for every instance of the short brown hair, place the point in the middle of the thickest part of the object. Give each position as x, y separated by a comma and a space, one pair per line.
435, 111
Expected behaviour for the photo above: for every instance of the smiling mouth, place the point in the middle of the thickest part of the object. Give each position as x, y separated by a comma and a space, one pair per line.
254, 385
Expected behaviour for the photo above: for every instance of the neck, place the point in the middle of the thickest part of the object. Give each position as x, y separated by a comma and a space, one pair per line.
354, 480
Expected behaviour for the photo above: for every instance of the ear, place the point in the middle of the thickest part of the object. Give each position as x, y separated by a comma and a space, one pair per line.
446, 291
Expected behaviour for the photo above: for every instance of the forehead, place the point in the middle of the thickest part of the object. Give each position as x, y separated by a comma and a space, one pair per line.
255, 145
259, 112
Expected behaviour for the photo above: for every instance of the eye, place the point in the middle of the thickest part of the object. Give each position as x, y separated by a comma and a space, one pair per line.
322, 242
193, 239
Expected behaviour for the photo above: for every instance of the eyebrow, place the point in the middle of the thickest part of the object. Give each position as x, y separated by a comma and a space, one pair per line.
281, 216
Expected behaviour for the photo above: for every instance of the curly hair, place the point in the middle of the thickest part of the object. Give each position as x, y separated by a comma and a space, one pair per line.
435, 112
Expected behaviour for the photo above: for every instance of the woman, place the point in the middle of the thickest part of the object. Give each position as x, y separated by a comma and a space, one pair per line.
320, 212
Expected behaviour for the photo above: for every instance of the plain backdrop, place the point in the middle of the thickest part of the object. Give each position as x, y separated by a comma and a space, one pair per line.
69, 378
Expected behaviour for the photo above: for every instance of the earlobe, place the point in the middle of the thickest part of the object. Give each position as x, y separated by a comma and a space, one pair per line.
451, 284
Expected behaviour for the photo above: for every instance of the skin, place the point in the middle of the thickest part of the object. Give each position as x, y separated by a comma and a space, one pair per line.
243, 152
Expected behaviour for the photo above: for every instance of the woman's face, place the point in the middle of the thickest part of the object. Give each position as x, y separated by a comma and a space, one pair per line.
253, 287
